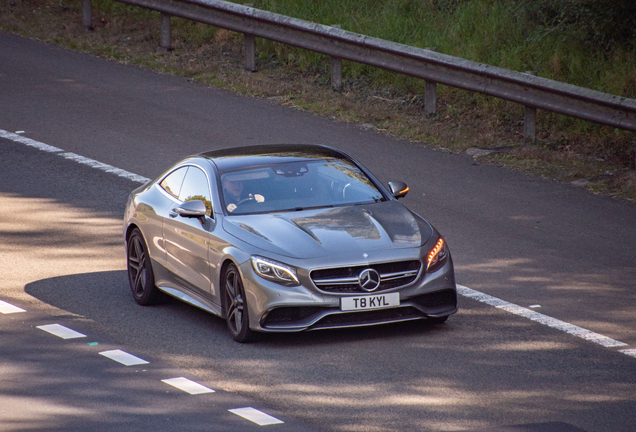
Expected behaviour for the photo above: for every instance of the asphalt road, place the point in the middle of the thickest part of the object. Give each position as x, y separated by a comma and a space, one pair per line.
54, 378
524, 240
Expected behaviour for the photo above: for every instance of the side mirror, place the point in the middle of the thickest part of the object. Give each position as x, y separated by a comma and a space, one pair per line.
398, 189
192, 209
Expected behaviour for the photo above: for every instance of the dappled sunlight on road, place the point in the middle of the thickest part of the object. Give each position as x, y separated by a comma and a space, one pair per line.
44, 238
527, 346
453, 374
582, 282
577, 397
493, 266
35, 413
530, 279
598, 298
115, 398
433, 404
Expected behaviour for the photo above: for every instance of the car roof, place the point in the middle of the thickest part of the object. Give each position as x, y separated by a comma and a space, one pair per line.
243, 157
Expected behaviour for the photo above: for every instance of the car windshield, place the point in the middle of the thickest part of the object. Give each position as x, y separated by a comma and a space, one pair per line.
297, 186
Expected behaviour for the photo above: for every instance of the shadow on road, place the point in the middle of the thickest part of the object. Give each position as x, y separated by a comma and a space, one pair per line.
481, 364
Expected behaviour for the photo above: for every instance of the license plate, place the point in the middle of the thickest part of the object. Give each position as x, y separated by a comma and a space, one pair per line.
379, 301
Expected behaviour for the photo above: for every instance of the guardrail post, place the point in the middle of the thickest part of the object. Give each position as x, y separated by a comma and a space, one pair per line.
336, 69
430, 96
249, 51
529, 123
87, 14
530, 119
166, 32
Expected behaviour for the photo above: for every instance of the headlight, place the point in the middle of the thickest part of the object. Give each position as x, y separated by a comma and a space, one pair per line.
437, 256
275, 271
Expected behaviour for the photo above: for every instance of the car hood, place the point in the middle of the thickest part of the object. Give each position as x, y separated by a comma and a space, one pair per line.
332, 231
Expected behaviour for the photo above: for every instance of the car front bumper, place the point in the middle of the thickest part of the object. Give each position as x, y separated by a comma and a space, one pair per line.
277, 308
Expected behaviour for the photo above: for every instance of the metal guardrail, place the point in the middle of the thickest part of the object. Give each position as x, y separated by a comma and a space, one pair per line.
531, 91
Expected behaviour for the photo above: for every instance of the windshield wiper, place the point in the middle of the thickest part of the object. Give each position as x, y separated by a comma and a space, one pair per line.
375, 200
310, 208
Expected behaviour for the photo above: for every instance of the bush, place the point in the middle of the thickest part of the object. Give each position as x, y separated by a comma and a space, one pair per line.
602, 24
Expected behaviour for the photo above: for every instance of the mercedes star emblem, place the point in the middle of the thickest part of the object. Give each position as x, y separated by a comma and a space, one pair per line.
369, 280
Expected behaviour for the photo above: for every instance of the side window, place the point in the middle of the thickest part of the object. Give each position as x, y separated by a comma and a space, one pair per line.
172, 183
195, 187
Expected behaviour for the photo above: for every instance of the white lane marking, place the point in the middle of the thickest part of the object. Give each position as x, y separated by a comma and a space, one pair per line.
61, 331
123, 357
540, 318
8, 308
465, 291
534, 306
29, 142
105, 167
74, 157
256, 416
629, 352
188, 386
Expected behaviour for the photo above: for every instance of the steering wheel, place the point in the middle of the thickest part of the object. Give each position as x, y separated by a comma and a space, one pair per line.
244, 200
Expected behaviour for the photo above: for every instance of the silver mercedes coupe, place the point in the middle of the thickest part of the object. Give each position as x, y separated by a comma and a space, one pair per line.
285, 238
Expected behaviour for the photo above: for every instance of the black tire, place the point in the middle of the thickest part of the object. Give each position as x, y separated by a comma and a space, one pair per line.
236, 314
140, 274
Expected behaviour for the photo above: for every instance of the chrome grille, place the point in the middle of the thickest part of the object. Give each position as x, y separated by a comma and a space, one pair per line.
345, 279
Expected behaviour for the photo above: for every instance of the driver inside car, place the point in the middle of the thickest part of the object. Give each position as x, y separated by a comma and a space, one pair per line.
233, 192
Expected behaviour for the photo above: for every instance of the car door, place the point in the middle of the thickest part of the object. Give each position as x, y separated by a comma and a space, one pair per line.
186, 239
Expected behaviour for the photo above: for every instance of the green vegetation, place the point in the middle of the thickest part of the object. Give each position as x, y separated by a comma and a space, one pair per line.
589, 43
